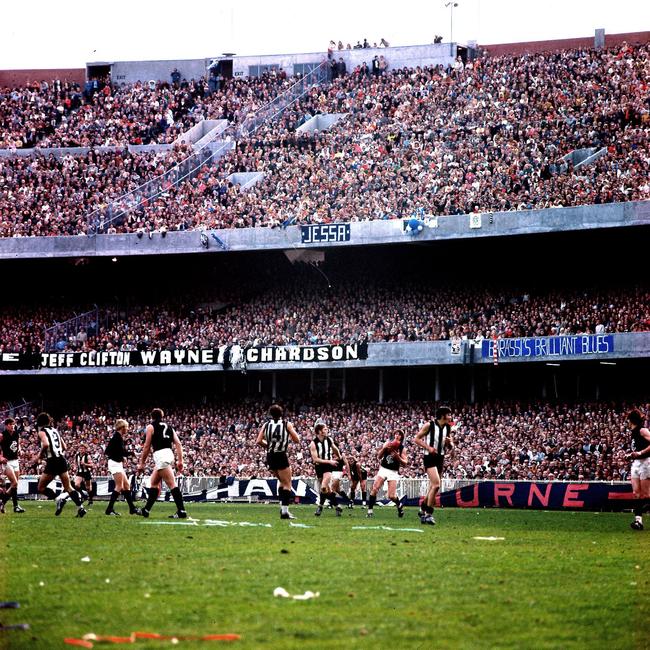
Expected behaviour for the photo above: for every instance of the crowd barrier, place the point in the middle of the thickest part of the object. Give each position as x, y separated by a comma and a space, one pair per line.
455, 493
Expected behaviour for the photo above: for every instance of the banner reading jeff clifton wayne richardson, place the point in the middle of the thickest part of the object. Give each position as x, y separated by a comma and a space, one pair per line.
226, 356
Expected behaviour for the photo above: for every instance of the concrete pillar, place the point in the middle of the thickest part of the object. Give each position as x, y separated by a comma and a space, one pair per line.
311, 381
472, 388
599, 39
274, 384
344, 387
408, 384
437, 385
381, 386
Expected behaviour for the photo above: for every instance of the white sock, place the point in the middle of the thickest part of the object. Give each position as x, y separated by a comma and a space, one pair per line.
64, 496
284, 510
638, 518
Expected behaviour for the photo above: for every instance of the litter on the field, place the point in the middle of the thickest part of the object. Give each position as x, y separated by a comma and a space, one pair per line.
281, 592
13, 604
308, 595
85, 559
489, 539
15, 626
91, 638
41, 584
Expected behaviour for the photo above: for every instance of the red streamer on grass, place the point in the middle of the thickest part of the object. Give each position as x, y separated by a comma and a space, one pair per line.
151, 636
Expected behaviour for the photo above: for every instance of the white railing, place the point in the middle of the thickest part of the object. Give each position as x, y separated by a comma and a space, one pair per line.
98, 220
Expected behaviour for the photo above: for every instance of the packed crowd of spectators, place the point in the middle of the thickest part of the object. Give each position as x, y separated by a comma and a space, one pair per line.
57, 196
333, 45
489, 135
494, 440
295, 308
59, 114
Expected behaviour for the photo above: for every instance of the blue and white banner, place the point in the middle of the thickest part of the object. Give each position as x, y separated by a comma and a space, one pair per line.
549, 346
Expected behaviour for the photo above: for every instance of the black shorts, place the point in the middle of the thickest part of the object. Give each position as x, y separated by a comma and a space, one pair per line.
364, 477
277, 460
321, 470
56, 466
85, 476
434, 460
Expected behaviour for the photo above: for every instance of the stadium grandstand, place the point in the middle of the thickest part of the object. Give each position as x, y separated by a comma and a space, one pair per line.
361, 237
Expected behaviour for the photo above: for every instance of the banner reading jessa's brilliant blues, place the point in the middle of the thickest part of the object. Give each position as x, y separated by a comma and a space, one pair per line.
550, 346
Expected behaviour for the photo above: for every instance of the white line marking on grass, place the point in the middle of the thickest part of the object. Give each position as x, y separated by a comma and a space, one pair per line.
208, 522
168, 523
243, 524
299, 525
410, 530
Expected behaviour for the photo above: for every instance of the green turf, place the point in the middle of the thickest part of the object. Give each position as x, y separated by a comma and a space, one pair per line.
558, 580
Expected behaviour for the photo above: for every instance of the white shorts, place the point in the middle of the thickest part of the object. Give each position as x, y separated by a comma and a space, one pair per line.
163, 458
337, 476
13, 464
641, 468
115, 468
388, 474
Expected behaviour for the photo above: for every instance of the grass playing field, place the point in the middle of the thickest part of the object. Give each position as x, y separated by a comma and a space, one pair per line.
556, 580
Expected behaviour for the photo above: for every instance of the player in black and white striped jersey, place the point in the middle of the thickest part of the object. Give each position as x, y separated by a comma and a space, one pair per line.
274, 436
52, 448
325, 455
435, 438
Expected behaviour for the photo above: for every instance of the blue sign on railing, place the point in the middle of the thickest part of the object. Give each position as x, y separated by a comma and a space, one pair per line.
325, 233
550, 346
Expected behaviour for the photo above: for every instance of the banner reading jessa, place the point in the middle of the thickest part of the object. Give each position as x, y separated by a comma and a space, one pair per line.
226, 356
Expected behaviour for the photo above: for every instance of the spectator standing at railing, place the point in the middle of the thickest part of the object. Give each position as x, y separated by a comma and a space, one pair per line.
176, 77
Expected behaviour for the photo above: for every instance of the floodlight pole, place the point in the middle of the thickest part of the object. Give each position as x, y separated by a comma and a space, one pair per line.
451, 6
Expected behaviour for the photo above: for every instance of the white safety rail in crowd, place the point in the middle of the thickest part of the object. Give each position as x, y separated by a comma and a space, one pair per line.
99, 220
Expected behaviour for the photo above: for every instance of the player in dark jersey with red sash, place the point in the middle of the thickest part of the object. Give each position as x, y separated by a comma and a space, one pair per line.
391, 457
52, 448
435, 438
274, 436
161, 437
9, 452
640, 474
358, 477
